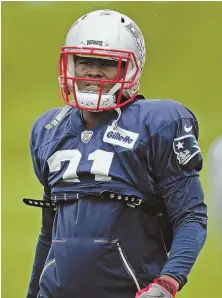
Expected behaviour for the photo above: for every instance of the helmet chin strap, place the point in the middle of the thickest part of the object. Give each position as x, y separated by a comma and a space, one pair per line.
114, 123
90, 100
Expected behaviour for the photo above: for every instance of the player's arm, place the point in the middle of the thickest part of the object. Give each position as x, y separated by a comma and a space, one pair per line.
176, 166
42, 249
45, 237
188, 215
176, 163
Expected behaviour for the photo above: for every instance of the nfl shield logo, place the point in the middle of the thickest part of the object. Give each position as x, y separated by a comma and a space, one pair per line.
185, 147
86, 136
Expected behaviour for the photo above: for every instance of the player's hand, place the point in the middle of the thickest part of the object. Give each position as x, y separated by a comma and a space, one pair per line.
159, 288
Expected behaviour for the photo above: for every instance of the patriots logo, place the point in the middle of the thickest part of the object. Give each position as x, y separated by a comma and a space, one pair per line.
185, 147
137, 35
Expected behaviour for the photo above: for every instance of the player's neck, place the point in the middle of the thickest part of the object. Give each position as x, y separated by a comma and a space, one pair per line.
93, 118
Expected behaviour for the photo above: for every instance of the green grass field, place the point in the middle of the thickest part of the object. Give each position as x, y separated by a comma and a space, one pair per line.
184, 48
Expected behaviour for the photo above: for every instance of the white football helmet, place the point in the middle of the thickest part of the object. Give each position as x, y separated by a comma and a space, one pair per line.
103, 34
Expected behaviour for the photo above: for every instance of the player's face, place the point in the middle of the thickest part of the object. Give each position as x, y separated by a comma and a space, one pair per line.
94, 68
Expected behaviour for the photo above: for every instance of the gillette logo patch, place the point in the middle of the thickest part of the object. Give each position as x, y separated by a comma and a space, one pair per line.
120, 137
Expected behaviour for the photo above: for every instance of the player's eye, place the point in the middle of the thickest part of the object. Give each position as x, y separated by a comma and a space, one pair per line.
109, 63
85, 62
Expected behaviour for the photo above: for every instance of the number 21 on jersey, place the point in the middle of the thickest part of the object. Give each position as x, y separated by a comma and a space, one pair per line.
100, 167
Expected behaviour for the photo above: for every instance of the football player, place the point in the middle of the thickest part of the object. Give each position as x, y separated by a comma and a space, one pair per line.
123, 208
215, 183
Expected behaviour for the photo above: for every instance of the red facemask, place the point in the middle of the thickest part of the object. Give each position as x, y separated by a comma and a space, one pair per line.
125, 87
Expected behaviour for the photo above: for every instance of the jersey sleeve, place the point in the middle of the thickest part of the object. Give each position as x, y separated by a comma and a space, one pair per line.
176, 152
176, 162
35, 151
40, 135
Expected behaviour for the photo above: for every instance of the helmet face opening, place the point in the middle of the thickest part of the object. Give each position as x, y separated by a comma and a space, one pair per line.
90, 92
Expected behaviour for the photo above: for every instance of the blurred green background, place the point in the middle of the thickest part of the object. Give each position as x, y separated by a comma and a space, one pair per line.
184, 50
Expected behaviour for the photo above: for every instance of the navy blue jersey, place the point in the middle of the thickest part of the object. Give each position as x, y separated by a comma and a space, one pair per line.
130, 158
151, 152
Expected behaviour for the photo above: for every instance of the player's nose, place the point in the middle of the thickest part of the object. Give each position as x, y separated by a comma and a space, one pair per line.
95, 70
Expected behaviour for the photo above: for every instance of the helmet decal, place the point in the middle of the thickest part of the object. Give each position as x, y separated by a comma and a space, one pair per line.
137, 35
